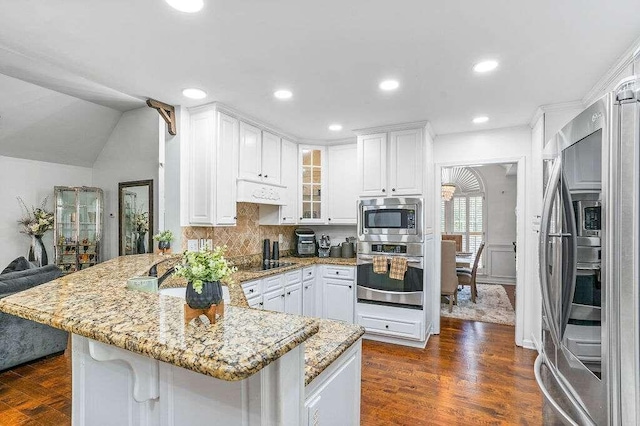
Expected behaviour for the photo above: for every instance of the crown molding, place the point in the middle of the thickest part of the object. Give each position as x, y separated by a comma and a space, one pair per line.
560, 106
393, 128
613, 74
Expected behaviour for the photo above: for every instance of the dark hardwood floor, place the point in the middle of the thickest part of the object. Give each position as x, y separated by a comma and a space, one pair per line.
471, 374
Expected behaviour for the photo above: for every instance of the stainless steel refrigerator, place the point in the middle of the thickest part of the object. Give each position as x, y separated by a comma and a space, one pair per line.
589, 261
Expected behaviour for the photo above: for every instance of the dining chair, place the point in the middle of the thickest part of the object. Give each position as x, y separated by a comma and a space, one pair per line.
448, 276
456, 238
467, 276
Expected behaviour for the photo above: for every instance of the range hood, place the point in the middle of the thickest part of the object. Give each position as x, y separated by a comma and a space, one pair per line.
250, 191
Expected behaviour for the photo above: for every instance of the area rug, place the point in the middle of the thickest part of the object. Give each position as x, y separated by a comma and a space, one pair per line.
492, 305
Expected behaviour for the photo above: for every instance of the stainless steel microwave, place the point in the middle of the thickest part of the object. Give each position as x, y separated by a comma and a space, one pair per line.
390, 219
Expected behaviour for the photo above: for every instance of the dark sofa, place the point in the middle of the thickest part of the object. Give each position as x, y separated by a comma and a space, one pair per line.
22, 340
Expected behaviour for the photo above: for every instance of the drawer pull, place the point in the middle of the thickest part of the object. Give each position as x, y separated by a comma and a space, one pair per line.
251, 290
337, 272
289, 293
282, 296
350, 287
386, 326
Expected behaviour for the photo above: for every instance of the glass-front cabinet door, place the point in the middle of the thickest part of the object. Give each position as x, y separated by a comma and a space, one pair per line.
312, 208
77, 227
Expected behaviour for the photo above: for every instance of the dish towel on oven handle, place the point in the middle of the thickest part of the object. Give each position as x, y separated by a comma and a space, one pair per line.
398, 268
380, 265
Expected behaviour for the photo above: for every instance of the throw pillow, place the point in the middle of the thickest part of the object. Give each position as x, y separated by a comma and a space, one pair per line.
19, 264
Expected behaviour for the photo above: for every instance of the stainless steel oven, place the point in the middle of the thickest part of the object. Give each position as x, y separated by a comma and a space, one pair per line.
390, 219
380, 288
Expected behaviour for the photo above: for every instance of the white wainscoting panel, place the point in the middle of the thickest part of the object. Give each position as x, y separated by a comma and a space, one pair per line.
500, 264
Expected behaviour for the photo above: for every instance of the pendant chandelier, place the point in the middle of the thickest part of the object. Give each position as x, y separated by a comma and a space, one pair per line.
448, 190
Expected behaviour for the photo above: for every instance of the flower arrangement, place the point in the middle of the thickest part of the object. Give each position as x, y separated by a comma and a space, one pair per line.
141, 222
164, 236
37, 220
203, 266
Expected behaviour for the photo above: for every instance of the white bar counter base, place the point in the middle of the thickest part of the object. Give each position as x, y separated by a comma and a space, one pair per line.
113, 386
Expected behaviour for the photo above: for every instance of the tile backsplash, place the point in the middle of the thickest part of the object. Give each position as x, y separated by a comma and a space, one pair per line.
243, 241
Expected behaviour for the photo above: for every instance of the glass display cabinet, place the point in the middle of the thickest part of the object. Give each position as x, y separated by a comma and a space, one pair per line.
77, 227
312, 185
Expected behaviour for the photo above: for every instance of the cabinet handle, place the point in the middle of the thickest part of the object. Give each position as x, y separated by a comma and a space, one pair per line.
260, 175
266, 176
300, 217
306, 288
386, 326
261, 303
282, 296
384, 190
235, 218
337, 272
329, 219
284, 218
350, 287
289, 293
393, 190
251, 290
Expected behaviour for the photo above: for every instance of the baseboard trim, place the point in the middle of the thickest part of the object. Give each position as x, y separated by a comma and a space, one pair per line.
412, 343
529, 344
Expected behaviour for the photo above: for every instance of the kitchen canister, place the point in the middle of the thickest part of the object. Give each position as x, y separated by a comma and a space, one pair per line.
347, 250
335, 251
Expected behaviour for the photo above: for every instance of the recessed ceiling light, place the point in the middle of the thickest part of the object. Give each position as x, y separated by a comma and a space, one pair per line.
187, 6
335, 127
194, 93
389, 85
481, 119
485, 66
283, 94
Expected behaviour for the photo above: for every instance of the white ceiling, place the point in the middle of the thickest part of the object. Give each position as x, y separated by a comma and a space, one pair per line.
41, 124
332, 54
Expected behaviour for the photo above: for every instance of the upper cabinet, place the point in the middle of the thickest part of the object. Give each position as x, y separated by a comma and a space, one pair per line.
289, 156
270, 158
342, 184
250, 160
391, 163
212, 155
259, 155
312, 184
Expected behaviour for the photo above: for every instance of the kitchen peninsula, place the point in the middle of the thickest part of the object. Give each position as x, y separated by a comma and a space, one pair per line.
135, 361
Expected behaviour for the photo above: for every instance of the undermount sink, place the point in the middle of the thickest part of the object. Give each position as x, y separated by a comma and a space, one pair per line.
181, 291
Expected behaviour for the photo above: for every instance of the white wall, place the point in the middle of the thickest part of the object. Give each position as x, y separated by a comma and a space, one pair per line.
500, 146
33, 181
131, 153
169, 200
500, 199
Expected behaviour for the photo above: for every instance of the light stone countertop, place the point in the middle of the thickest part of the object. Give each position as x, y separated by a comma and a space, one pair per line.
95, 303
321, 349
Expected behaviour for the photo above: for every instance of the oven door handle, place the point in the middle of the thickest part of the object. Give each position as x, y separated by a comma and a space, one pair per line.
411, 261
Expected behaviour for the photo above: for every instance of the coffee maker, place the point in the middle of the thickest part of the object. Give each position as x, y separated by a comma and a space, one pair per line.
305, 242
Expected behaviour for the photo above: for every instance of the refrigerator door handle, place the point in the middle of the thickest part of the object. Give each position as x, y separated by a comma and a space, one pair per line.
537, 367
549, 199
571, 264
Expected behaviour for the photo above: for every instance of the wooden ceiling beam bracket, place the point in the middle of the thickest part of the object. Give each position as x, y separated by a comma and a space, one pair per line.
167, 112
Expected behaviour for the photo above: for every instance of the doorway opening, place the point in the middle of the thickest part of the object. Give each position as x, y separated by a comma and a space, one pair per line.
478, 215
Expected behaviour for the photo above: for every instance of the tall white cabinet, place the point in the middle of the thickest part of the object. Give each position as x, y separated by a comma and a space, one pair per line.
212, 158
342, 184
390, 163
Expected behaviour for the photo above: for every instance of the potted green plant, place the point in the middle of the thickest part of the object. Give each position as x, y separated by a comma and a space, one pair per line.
141, 225
203, 271
164, 239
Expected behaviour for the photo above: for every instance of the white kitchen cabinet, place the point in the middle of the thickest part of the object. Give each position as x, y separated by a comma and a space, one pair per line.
405, 172
259, 155
270, 163
289, 176
226, 170
256, 302
293, 299
274, 300
372, 165
391, 164
309, 298
333, 398
250, 152
338, 299
342, 184
211, 170
312, 194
